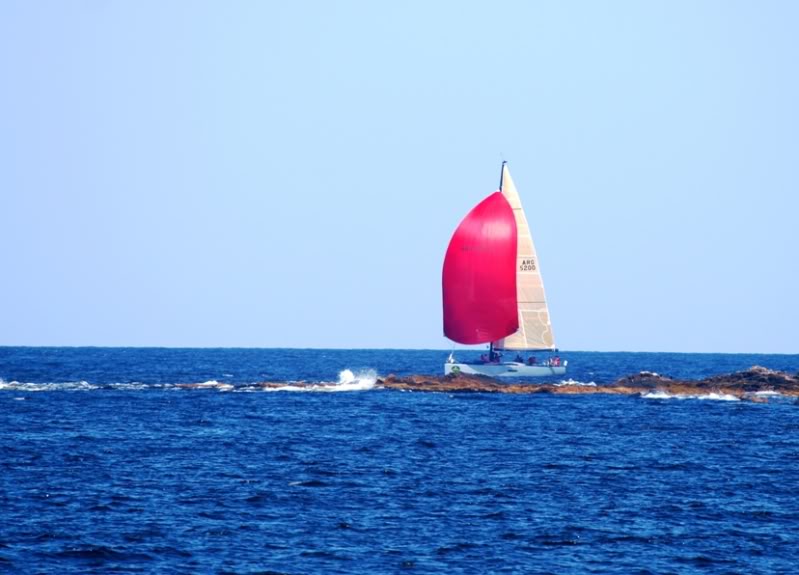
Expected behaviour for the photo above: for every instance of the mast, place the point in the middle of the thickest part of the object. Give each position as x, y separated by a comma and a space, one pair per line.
501, 176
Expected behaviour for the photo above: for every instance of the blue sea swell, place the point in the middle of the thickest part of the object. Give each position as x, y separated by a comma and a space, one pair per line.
105, 466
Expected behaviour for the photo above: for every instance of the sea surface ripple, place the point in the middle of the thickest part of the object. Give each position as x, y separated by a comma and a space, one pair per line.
106, 467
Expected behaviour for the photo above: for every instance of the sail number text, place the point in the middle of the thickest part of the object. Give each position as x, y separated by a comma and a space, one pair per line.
527, 265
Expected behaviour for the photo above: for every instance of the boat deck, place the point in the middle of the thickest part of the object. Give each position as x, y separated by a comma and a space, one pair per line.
505, 369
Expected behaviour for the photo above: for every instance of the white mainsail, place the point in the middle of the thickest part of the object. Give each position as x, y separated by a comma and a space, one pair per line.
535, 331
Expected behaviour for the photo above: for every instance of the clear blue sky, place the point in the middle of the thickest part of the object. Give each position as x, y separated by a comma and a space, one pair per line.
289, 174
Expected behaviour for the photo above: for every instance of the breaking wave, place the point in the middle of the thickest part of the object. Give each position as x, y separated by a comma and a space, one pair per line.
347, 381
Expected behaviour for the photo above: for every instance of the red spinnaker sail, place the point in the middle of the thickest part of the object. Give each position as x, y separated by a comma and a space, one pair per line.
479, 276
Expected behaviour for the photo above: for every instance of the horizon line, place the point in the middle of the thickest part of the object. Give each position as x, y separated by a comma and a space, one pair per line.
476, 349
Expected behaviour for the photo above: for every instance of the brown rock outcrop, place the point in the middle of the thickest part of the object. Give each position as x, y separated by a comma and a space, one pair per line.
752, 380
742, 384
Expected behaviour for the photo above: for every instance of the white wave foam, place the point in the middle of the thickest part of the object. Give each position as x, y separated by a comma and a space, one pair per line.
135, 386
210, 384
51, 386
768, 396
574, 382
213, 384
719, 397
347, 381
659, 394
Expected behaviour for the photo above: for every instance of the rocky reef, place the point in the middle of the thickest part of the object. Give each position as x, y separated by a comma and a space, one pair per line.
753, 380
754, 384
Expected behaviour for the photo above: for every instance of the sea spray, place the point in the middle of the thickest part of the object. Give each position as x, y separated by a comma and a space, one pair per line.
347, 381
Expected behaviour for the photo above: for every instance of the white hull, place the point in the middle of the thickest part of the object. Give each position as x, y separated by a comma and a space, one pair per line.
504, 369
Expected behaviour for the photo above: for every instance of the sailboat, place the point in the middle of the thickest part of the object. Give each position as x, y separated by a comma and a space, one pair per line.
494, 293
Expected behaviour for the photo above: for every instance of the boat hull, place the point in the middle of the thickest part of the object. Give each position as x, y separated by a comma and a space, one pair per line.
505, 369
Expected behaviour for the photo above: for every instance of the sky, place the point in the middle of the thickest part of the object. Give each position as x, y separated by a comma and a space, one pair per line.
288, 174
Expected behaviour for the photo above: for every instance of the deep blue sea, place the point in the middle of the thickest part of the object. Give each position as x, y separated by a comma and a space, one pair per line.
108, 465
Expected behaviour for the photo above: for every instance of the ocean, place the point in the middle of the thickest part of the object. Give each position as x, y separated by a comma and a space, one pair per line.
109, 463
